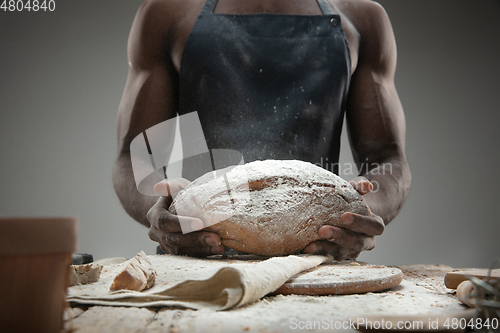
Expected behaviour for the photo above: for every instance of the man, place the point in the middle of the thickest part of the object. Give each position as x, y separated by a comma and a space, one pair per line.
271, 79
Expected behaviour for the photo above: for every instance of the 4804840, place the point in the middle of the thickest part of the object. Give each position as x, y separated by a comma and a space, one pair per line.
28, 5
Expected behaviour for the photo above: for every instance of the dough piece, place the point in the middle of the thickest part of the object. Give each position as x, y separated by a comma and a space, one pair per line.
272, 207
84, 274
138, 275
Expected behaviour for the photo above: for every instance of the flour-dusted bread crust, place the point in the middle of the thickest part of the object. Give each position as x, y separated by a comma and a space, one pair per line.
272, 207
138, 275
84, 274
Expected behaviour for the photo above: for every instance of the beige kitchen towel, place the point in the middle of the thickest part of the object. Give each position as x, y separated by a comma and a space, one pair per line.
218, 284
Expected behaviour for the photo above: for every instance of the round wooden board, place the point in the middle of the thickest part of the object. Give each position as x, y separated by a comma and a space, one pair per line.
335, 279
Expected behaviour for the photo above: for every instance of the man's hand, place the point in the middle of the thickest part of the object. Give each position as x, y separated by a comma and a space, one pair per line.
165, 228
358, 235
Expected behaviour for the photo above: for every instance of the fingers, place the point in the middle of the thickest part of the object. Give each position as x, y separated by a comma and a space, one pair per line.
338, 252
353, 241
166, 228
197, 244
362, 185
163, 220
368, 225
170, 187
356, 235
168, 222
340, 243
159, 217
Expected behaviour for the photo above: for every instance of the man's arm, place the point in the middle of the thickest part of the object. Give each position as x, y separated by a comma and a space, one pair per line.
375, 118
150, 98
376, 129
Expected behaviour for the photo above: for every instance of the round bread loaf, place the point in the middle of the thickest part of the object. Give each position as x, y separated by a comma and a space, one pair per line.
269, 207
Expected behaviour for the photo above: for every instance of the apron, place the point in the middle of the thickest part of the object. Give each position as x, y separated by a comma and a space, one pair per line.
269, 86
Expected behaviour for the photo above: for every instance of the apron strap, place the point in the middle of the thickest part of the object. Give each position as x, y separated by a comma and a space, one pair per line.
209, 7
325, 7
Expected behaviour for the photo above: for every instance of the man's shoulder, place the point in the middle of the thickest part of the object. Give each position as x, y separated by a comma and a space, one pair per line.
149, 6
368, 18
156, 9
359, 5
170, 7
164, 12
360, 11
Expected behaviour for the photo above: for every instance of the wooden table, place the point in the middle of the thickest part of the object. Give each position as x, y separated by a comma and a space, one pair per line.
422, 292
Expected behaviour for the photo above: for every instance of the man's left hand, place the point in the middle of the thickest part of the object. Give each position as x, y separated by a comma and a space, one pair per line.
345, 243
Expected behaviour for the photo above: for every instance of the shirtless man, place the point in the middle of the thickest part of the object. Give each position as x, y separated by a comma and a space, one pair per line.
360, 76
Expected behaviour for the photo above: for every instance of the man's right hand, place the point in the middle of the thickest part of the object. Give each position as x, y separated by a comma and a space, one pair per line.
165, 227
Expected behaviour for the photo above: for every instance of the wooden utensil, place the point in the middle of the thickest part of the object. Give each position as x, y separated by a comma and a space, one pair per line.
454, 278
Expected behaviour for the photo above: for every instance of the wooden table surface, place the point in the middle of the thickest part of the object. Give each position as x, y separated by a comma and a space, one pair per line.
422, 292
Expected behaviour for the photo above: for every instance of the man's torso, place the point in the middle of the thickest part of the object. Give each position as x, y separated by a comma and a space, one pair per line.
182, 15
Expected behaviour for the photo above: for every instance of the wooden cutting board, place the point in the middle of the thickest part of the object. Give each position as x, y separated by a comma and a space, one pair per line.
335, 279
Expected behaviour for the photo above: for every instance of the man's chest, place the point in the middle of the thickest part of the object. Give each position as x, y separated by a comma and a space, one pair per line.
182, 28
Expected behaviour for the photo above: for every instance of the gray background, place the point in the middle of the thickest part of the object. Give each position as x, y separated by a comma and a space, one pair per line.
62, 75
